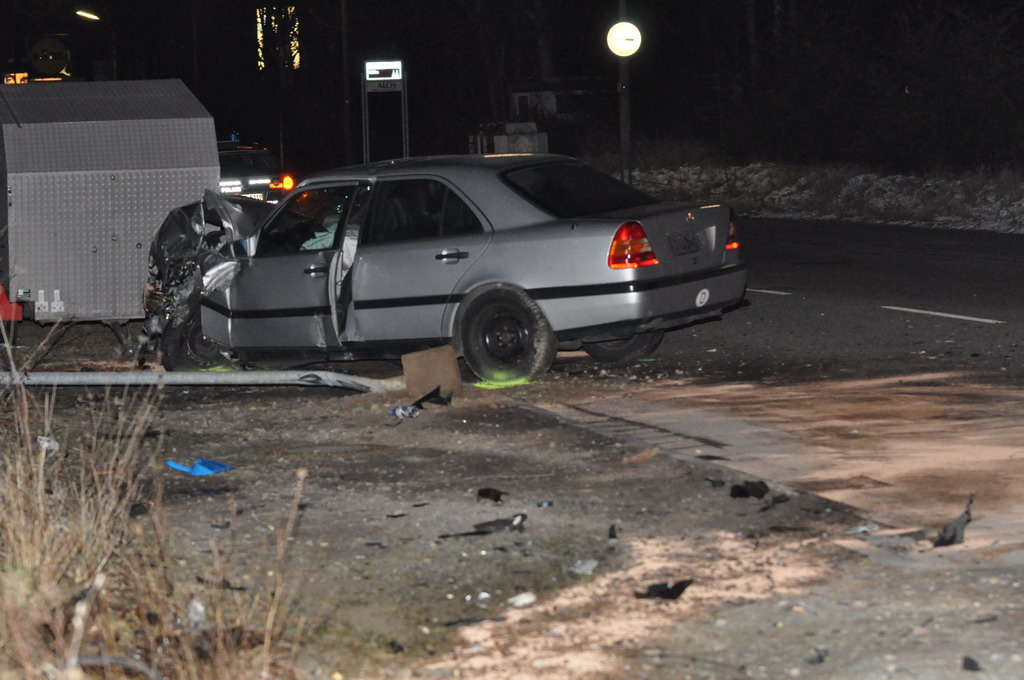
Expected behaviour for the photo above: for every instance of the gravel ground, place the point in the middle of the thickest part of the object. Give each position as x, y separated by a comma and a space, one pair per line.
387, 587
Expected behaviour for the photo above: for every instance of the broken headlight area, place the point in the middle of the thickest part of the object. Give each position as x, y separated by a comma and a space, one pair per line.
192, 254
166, 303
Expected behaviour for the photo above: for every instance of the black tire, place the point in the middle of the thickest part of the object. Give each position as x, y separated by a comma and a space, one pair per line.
505, 338
183, 347
625, 351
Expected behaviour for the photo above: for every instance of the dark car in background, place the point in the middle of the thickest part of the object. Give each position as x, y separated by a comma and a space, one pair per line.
252, 171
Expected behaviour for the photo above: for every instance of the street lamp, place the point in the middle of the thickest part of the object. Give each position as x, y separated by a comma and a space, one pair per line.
624, 41
111, 37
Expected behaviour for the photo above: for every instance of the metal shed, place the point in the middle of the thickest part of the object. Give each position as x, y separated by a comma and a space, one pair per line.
88, 171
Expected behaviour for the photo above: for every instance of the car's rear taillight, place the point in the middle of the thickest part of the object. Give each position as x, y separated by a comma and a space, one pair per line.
630, 248
284, 182
732, 243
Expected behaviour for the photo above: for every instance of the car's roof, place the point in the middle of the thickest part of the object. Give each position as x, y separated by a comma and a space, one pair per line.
474, 175
459, 164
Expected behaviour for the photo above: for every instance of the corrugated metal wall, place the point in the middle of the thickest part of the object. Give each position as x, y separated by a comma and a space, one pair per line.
92, 169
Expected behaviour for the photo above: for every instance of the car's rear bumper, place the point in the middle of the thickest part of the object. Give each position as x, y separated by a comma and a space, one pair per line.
609, 311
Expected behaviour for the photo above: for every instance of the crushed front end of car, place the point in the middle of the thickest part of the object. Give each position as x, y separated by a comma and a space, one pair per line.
194, 253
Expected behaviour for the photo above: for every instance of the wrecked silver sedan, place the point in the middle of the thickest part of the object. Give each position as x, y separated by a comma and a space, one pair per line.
507, 258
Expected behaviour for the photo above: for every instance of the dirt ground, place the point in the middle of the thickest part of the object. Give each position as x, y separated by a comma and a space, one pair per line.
393, 579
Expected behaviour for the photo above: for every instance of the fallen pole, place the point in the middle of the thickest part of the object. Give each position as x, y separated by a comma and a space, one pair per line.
211, 378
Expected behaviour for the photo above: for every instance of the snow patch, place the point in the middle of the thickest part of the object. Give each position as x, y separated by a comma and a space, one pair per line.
776, 190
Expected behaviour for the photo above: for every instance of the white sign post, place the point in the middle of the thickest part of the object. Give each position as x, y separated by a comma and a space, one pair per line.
384, 76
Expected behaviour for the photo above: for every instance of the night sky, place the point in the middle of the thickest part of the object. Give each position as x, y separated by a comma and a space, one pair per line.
898, 84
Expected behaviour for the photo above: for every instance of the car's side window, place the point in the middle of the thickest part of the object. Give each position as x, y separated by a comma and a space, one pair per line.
408, 209
458, 218
310, 220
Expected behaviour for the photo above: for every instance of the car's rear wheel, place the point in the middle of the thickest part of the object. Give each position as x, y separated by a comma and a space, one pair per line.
505, 337
183, 347
625, 351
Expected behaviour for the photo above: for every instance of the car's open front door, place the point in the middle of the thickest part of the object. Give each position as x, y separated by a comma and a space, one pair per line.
280, 299
277, 302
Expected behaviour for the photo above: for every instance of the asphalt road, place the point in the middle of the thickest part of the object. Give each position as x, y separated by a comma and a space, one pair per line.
887, 357
834, 299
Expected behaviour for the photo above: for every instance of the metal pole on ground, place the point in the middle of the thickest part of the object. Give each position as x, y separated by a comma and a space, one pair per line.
213, 379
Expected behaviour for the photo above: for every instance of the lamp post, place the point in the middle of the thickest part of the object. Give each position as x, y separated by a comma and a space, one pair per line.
624, 41
111, 39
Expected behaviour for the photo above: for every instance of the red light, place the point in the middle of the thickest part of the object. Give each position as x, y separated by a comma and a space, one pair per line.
285, 183
732, 243
630, 248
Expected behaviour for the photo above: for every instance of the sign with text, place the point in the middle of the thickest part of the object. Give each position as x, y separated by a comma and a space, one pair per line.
384, 86
384, 76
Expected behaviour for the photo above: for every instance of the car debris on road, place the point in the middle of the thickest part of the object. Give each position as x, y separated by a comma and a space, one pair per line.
664, 591
755, 489
200, 468
868, 528
490, 494
522, 600
514, 523
406, 411
582, 567
953, 533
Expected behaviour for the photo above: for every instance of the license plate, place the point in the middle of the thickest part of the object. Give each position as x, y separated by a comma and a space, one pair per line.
684, 244
258, 197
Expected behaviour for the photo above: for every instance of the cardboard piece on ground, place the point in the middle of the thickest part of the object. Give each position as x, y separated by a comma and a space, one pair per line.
429, 368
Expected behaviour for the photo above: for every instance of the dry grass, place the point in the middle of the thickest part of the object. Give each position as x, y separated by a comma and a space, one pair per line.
87, 587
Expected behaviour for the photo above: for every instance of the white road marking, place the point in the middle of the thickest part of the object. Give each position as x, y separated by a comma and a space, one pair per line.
768, 292
942, 314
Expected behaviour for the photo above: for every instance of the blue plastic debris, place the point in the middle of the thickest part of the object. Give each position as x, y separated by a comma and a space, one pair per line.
201, 467
403, 412
411, 411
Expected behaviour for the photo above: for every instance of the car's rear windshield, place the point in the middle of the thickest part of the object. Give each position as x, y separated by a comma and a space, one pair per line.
575, 190
247, 163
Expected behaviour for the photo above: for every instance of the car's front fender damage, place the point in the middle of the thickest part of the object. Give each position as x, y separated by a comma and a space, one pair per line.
194, 254
191, 256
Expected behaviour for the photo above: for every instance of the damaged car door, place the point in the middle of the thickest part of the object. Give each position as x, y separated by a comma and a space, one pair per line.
280, 298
